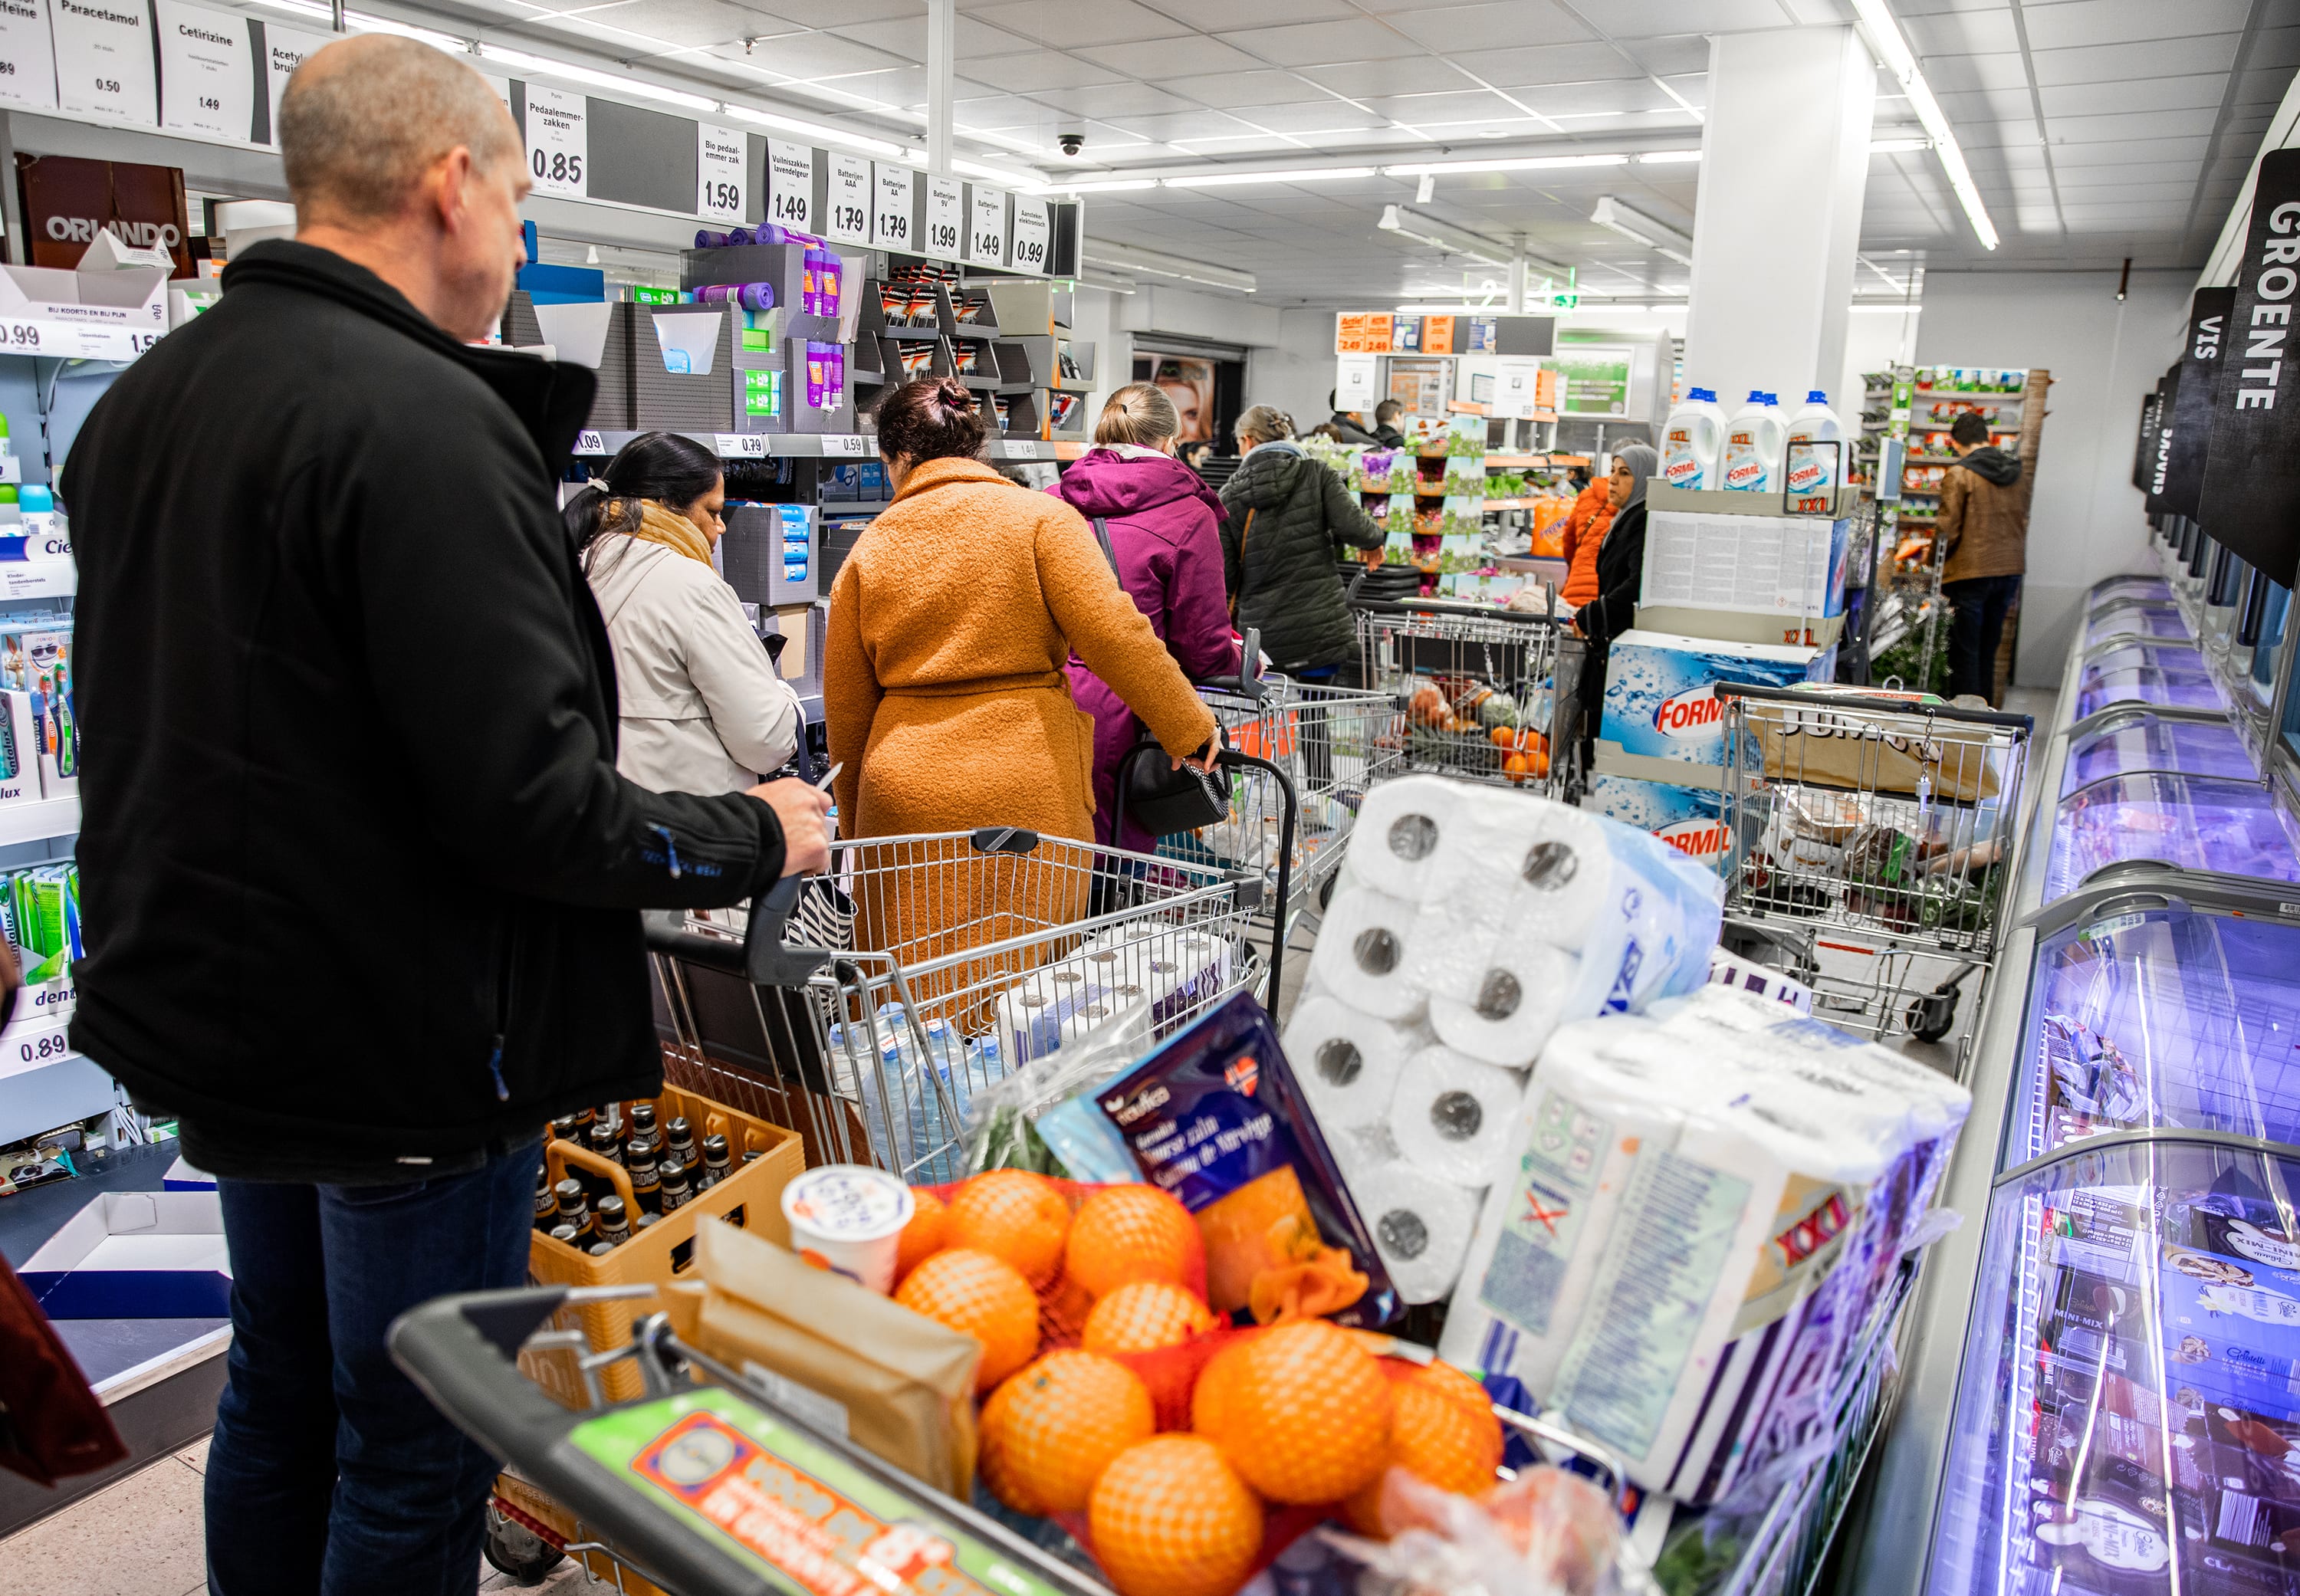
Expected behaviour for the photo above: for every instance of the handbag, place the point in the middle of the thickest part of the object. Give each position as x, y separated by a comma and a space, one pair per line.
1160, 797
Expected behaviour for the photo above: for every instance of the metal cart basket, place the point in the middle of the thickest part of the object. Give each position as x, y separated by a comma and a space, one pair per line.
1874, 840
1462, 673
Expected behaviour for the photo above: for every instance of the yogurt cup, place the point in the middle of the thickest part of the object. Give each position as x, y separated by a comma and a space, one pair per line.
849, 1218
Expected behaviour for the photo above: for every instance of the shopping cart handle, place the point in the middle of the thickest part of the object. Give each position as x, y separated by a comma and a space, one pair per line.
762, 958
461, 1351
1247, 682
1861, 703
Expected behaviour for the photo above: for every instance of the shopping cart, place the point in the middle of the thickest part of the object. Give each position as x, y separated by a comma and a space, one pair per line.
872, 1002
1873, 842
1466, 677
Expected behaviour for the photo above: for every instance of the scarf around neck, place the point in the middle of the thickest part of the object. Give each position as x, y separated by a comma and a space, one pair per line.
672, 530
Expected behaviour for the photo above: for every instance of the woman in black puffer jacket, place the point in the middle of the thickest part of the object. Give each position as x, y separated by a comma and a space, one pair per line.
1288, 517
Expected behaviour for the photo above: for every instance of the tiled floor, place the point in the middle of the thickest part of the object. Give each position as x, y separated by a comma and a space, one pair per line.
141, 1537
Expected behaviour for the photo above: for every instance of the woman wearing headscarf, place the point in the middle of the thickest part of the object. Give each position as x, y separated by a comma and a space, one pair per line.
1620, 571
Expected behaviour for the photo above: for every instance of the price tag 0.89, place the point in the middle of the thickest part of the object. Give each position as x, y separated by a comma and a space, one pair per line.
741, 445
30, 1047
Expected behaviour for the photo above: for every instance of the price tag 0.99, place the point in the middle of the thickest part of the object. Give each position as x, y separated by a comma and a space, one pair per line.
741, 445
24, 337
845, 443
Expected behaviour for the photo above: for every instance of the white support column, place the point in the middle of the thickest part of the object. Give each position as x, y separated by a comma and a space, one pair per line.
1783, 166
942, 57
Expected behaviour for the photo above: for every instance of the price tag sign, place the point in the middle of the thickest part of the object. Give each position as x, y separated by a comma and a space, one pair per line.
894, 209
945, 218
105, 63
1033, 230
284, 49
846, 442
790, 185
207, 83
19, 335
846, 203
558, 140
723, 158
590, 442
741, 445
27, 1047
1353, 381
986, 232
27, 57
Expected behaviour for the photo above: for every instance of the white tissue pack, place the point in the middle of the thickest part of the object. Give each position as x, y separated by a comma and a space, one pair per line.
1701, 1207
1468, 923
1155, 971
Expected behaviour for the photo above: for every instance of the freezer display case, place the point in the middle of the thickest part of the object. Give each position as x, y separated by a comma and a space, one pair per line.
2232, 828
2119, 590
2157, 671
2138, 739
2130, 1418
2132, 617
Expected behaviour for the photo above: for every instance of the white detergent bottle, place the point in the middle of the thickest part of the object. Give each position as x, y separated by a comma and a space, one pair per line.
1816, 474
1692, 440
1753, 438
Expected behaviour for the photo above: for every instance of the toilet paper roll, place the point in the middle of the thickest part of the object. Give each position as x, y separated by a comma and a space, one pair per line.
1395, 846
1421, 1226
1364, 1147
1347, 1062
1453, 1117
1564, 873
1518, 997
1363, 948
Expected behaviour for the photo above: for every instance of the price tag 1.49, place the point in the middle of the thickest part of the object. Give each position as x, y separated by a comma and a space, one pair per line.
790, 185
986, 231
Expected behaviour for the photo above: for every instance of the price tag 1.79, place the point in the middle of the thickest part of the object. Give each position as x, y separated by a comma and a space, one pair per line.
847, 202
893, 207
741, 445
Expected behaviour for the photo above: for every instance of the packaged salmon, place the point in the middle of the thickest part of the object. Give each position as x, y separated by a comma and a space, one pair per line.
1215, 1116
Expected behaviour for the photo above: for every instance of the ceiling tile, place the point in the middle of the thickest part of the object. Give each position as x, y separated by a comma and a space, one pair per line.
1213, 14
1500, 24
2274, 47
815, 55
1416, 109
1313, 116
1406, 75
1236, 90
1960, 33
1646, 19
2118, 152
1113, 99
1684, 53
2139, 124
1625, 97
907, 37
684, 21
1164, 57
1984, 104
998, 112
2158, 58
1314, 44
1185, 126
1066, 25
1952, 74
2064, 23
1041, 69
1550, 64
840, 13
2198, 90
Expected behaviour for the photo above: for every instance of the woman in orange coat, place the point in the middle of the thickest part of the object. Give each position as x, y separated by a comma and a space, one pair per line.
944, 678
1585, 530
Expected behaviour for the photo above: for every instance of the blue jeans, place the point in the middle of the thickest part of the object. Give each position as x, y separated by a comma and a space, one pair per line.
330, 1472
1976, 628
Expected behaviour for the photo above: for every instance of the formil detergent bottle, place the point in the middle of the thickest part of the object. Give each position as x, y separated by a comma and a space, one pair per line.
1692, 441
1816, 472
1753, 446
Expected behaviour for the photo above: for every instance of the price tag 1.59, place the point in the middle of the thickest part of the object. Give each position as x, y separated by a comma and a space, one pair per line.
722, 157
946, 219
558, 140
846, 205
740, 445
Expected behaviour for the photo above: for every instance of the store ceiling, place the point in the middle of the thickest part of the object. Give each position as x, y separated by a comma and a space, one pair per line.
2095, 130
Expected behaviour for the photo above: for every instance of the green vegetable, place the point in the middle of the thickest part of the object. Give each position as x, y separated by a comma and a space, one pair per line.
1500, 709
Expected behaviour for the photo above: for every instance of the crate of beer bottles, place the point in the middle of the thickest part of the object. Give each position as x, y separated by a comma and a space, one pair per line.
762, 1159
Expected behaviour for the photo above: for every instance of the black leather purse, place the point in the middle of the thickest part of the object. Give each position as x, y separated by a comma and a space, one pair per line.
1159, 797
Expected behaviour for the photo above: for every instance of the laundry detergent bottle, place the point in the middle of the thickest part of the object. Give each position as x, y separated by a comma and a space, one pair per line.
1753, 446
1692, 441
1815, 473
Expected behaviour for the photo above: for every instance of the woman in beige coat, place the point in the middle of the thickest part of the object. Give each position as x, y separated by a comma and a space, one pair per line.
702, 708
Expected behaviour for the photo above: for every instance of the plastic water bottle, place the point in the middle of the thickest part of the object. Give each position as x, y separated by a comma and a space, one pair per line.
1753, 438
1816, 473
1692, 440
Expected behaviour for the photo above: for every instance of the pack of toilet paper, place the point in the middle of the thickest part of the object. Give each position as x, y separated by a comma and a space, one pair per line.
1468, 923
1700, 1208
1160, 972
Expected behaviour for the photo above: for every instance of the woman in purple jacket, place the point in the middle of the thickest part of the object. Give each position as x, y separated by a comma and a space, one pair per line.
1164, 525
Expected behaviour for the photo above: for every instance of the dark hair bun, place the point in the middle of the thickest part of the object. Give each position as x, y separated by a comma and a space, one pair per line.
935, 417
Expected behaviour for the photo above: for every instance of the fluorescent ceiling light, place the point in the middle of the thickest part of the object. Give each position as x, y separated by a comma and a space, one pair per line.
1428, 230
1462, 308
1884, 36
1028, 183
1513, 163
1911, 308
1639, 227
1898, 147
1668, 157
598, 79
1128, 258
1105, 185
367, 24
1219, 179
836, 137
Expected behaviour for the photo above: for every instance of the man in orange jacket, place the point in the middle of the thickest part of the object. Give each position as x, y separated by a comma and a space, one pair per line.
1585, 530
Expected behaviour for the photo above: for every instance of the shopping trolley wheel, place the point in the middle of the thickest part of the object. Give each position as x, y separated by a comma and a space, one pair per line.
1326, 890
1930, 1016
514, 1549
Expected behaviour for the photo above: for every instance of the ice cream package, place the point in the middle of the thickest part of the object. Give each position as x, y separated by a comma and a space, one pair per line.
1216, 1115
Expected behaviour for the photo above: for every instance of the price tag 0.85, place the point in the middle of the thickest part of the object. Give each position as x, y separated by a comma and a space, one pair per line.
741, 445
845, 443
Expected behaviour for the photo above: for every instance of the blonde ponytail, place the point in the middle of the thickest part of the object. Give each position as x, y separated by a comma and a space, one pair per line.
1139, 413
1265, 424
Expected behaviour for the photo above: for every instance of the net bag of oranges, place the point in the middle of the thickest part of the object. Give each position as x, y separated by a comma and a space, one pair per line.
1183, 1452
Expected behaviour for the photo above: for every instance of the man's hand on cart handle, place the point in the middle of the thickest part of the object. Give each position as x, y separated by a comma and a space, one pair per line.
801, 808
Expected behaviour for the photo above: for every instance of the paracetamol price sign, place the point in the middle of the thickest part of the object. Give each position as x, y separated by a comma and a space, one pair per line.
2251, 498
558, 140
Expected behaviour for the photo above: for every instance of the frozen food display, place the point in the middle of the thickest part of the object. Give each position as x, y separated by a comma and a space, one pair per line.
2140, 739
2158, 672
2132, 617
2213, 823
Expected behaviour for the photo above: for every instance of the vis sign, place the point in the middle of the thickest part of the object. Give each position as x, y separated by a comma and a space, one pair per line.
2250, 500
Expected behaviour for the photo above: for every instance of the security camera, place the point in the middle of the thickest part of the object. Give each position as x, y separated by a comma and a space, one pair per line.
1072, 143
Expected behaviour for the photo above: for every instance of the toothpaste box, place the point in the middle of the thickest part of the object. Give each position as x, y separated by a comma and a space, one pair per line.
1690, 820
1661, 691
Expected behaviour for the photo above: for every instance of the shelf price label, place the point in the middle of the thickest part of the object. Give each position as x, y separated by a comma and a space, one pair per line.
558, 141
1034, 229
740, 445
845, 443
945, 218
104, 61
846, 201
27, 57
29, 1047
208, 82
721, 166
986, 232
893, 210
790, 185
590, 442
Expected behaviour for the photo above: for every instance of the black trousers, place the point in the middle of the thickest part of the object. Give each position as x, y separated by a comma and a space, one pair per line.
1976, 630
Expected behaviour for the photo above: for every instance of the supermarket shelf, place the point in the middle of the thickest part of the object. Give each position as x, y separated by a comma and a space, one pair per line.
1995, 401
38, 578
55, 1093
40, 822
1511, 504
804, 445
835, 509
1517, 462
